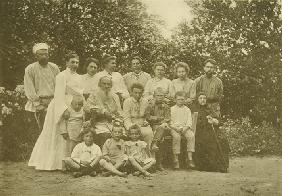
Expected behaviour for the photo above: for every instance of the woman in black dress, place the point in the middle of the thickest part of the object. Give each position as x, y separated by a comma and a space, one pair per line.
210, 154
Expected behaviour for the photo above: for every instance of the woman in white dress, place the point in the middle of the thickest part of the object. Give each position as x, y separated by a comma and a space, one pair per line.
50, 147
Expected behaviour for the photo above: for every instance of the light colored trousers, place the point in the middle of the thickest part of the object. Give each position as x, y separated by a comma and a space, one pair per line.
74, 165
147, 134
176, 141
71, 163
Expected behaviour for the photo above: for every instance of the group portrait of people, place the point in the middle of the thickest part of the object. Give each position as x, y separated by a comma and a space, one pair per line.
105, 123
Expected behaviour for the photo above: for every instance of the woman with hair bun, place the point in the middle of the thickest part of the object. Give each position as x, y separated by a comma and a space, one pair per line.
50, 148
91, 68
109, 64
183, 83
159, 81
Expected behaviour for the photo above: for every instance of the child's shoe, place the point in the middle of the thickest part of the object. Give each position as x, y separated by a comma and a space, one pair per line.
190, 164
175, 161
176, 164
106, 174
154, 148
93, 174
160, 167
77, 174
137, 173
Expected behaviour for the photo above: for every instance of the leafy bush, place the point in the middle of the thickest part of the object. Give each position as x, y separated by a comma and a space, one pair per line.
248, 139
19, 131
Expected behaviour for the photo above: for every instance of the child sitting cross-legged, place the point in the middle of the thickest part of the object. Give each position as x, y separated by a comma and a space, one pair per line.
114, 157
138, 152
85, 156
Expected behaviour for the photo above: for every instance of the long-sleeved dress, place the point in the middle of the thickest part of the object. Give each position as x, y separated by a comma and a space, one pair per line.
210, 154
50, 147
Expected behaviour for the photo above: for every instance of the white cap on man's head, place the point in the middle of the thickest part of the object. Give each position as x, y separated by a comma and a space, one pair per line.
39, 46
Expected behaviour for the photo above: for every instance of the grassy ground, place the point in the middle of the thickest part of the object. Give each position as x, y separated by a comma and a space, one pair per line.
247, 176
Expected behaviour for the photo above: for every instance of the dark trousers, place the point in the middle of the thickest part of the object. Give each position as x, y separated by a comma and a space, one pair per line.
159, 134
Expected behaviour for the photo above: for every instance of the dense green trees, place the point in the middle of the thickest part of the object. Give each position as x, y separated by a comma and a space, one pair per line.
245, 39
90, 27
243, 36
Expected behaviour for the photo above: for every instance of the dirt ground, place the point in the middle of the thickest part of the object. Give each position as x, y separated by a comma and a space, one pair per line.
247, 176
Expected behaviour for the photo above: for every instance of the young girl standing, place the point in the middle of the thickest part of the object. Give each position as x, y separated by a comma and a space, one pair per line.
72, 126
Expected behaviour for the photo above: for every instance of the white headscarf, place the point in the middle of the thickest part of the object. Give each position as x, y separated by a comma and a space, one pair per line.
39, 46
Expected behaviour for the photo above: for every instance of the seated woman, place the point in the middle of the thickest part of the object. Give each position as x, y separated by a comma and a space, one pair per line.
105, 108
159, 81
209, 155
91, 67
134, 109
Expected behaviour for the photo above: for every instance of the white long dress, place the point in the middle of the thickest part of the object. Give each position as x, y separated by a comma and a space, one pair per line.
50, 147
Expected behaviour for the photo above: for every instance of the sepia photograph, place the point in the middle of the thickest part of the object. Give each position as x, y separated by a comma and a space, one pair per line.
141, 97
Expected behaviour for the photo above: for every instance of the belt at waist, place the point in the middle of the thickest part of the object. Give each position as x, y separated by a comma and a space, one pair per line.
46, 97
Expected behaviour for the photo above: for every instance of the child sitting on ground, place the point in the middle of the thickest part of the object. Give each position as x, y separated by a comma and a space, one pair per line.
85, 156
114, 157
72, 124
181, 124
138, 152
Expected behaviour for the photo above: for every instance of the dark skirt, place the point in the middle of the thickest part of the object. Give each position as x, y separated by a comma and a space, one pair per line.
211, 151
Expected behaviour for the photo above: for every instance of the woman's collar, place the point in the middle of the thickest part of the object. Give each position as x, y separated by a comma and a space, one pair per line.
90, 76
158, 79
70, 71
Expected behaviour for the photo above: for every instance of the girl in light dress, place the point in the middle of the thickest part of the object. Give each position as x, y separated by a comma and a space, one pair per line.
73, 123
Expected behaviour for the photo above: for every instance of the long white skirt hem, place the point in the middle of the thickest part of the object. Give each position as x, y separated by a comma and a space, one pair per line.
50, 147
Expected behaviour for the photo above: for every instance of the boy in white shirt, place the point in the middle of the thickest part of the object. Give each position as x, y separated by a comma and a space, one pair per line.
181, 123
85, 156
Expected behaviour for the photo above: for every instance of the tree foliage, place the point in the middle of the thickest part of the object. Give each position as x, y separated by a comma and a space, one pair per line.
90, 27
244, 37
